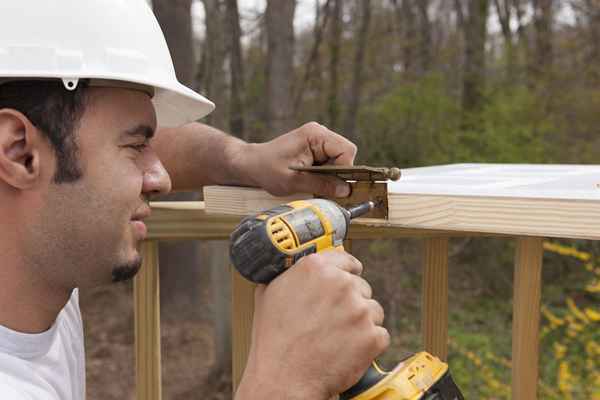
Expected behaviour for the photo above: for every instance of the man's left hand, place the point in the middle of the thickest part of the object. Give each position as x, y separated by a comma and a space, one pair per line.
267, 165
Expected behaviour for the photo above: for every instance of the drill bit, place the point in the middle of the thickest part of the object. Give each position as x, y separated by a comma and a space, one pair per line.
360, 209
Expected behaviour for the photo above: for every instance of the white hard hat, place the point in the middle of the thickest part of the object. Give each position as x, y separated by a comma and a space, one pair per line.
105, 41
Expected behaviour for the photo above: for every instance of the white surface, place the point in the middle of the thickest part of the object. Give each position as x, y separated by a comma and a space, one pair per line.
526, 181
48, 365
110, 39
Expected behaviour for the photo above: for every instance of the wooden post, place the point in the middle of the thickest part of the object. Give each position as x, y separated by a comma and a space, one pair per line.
242, 292
434, 310
526, 317
147, 325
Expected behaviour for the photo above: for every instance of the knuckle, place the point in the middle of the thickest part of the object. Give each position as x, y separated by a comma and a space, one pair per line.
311, 126
358, 264
381, 340
362, 312
380, 309
345, 282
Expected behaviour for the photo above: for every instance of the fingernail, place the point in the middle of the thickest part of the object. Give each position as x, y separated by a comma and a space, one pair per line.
342, 190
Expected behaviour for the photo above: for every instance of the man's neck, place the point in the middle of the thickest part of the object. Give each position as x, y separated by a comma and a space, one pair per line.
29, 304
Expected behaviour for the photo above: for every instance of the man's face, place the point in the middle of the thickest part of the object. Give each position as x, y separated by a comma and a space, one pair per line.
91, 229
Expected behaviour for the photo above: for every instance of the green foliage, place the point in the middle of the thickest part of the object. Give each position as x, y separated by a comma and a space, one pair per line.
421, 123
510, 128
415, 124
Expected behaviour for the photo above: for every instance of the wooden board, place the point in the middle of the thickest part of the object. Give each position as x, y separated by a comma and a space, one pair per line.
516, 199
511, 199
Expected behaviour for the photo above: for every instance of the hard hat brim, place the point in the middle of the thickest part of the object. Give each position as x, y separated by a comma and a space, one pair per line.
176, 105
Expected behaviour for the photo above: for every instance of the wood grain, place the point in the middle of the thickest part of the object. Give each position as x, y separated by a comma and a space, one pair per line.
531, 217
186, 220
496, 199
434, 310
526, 318
241, 323
147, 326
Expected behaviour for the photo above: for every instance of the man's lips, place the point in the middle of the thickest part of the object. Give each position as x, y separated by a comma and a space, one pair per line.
142, 214
138, 224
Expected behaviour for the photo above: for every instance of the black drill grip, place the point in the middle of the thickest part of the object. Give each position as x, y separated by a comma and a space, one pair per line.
371, 377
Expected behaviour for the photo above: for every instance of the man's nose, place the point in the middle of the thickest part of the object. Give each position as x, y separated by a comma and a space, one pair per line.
156, 178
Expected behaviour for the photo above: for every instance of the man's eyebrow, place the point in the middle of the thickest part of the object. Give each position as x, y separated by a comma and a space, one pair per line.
142, 130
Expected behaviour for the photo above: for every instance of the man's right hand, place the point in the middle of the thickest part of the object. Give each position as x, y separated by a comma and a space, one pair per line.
316, 331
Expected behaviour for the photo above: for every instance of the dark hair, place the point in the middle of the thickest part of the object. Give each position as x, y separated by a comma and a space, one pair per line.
54, 110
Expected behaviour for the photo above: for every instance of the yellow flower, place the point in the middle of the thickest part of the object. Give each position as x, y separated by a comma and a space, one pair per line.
593, 315
576, 311
593, 287
592, 348
567, 251
554, 320
589, 266
559, 350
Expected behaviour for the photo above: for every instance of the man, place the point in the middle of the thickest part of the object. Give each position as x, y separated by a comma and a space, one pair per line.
82, 152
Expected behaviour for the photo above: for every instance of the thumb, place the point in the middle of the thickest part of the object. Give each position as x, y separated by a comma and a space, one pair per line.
328, 186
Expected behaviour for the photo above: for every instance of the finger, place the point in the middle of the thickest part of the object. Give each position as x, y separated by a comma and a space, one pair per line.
342, 260
328, 146
328, 186
363, 287
337, 149
383, 340
377, 313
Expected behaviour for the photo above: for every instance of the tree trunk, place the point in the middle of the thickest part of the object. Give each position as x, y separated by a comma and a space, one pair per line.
591, 13
280, 72
504, 13
425, 42
474, 68
543, 16
357, 73
214, 61
335, 37
313, 66
236, 105
175, 19
180, 275
409, 37
221, 39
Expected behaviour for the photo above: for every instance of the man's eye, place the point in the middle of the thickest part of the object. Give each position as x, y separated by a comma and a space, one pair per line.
139, 147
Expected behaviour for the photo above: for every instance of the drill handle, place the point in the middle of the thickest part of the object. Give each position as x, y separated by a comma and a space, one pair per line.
370, 378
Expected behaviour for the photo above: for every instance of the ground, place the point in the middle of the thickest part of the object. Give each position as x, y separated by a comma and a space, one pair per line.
187, 350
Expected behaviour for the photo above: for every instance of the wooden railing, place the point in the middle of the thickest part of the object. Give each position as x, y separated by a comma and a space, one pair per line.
188, 221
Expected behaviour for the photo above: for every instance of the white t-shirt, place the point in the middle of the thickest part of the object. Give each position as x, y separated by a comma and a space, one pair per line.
48, 365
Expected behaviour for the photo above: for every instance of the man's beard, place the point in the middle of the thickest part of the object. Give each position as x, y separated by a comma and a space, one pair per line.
127, 271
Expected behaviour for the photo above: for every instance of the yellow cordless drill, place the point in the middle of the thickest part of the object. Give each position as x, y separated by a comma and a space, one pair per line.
265, 245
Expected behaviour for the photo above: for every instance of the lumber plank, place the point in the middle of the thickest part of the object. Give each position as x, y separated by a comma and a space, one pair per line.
496, 199
241, 324
526, 317
434, 309
147, 325
188, 220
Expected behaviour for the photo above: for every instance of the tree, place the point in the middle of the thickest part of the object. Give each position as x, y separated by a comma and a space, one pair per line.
543, 16
236, 105
280, 72
175, 20
214, 55
357, 73
179, 272
474, 26
335, 37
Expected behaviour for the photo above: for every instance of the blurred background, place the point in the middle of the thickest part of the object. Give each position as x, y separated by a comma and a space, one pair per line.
413, 83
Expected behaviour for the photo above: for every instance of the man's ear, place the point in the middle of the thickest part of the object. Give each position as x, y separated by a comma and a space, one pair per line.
19, 150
